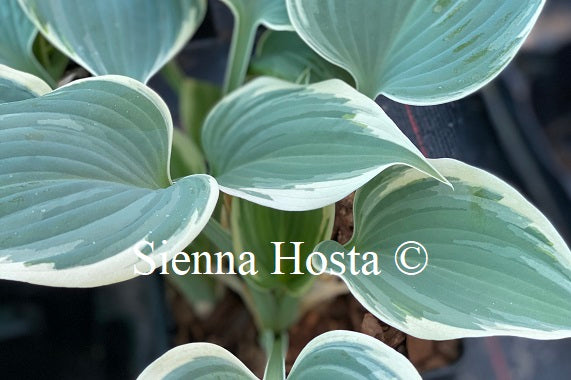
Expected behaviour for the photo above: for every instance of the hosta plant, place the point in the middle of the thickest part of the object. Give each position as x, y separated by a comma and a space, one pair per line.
96, 186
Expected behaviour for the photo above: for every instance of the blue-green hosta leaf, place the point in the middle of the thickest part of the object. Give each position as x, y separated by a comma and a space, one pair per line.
416, 52
255, 227
495, 265
17, 35
17, 85
84, 182
197, 361
294, 147
349, 355
336, 354
128, 37
284, 55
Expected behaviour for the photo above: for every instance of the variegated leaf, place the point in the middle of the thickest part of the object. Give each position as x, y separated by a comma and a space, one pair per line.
197, 361
416, 52
335, 354
128, 37
17, 35
492, 264
17, 85
84, 185
349, 355
294, 147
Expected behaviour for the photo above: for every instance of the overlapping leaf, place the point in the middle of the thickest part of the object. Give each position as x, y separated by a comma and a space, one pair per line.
284, 55
84, 184
294, 147
128, 37
17, 35
416, 52
495, 266
17, 85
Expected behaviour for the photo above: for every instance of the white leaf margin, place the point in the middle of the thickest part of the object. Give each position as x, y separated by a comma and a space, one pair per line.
434, 330
121, 266
310, 195
181, 355
185, 33
412, 100
386, 357
25, 81
124, 263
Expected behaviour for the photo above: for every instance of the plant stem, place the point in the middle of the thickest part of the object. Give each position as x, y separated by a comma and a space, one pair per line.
218, 235
201, 292
240, 50
173, 75
275, 309
276, 349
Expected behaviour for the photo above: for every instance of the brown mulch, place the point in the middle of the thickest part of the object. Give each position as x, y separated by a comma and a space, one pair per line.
343, 226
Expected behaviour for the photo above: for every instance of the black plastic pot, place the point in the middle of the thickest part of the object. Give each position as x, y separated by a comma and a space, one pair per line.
111, 332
